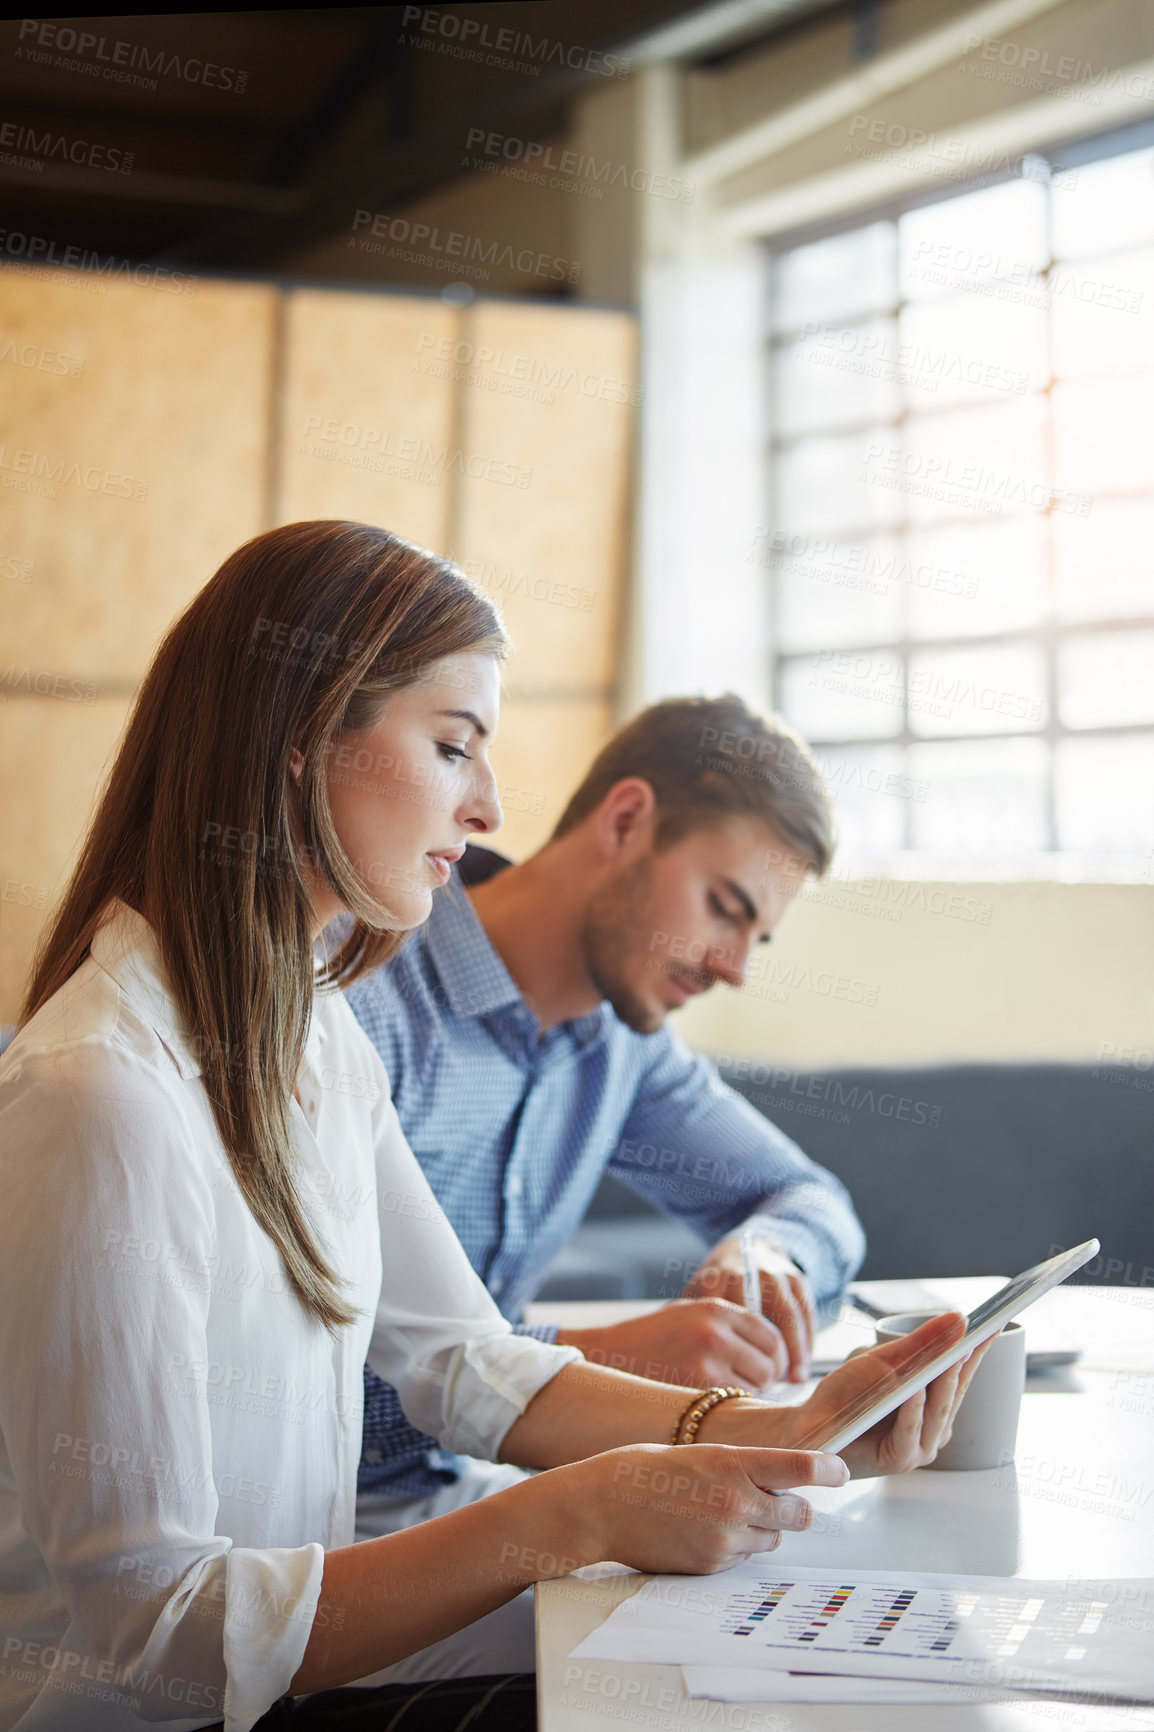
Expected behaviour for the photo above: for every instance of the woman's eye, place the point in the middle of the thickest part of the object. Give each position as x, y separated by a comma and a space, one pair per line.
452, 752
716, 908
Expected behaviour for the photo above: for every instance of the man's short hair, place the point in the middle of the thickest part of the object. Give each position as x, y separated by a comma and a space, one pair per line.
708, 759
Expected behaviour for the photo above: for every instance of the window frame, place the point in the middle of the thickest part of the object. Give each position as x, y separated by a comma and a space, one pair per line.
1048, 635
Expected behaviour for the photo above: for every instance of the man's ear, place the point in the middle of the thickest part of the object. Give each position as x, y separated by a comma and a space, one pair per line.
628, 811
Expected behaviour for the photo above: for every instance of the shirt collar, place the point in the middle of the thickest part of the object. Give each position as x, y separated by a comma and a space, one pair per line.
474, 979
317, 1033
126, 948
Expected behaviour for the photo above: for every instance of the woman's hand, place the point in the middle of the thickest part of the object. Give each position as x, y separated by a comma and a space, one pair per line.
906, 1439
690, 1510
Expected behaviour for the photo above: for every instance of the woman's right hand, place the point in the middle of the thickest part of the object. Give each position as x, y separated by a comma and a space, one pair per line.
694, 1509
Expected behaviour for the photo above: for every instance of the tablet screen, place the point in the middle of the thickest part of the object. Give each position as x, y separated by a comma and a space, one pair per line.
1019, 1288
910, 1372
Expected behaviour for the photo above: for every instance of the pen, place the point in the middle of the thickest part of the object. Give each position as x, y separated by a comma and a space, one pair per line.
750, 1277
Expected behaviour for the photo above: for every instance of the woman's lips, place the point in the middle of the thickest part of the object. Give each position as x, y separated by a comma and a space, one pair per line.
442, 862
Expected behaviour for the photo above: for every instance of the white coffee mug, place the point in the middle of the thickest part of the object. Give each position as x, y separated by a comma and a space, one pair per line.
986, 1423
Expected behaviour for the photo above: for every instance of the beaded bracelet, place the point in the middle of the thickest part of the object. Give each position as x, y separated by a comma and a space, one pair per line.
698, 1408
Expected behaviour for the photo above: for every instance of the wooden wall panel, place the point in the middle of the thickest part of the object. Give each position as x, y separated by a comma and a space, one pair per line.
144, 435
547, 398
133, 457
53, 756
367, 412
128, 476
542, 750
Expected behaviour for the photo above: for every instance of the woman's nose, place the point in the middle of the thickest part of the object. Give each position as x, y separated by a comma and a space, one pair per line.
484, 811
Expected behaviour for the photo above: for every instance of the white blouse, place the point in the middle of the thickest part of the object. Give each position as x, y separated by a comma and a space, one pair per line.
179, 1441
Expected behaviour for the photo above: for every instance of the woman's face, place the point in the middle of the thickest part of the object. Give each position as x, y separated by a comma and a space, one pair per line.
407, 793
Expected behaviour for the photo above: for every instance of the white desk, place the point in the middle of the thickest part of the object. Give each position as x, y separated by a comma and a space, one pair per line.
1080, 1502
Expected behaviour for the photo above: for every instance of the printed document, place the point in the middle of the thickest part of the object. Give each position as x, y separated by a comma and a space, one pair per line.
991, 1631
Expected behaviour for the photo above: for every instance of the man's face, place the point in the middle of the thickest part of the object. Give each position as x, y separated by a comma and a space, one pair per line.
668, 925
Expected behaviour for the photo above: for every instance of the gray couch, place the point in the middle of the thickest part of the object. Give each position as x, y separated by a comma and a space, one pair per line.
954, 1170
968, 1169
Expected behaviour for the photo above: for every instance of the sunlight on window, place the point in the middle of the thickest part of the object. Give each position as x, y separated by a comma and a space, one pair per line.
984, 797
998, 689
1102, 441
1103, 562
973, 579
851, 694
972, 243
1102, 323
1107, 679
840, 278
845, 593
827, 484
968, 350
871, 793
838, 376
1110, 207
962, 503
1105, 794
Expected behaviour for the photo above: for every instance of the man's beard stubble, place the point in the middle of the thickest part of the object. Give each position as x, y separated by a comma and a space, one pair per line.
615, 919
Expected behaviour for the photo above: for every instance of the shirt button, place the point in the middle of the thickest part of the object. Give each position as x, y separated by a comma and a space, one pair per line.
515, 1185
496, 1284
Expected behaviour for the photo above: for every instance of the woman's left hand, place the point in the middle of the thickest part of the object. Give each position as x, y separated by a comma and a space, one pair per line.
908, 1438
912, 1435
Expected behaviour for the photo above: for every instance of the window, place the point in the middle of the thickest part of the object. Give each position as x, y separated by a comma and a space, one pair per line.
961, 519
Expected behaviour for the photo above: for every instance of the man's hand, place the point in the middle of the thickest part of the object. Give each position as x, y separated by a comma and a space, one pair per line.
786, 1300
696, 1342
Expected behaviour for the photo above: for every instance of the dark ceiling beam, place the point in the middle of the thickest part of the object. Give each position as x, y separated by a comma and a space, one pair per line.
356, 178
374, 61
374, 137
367, 74
347, 175
155, 189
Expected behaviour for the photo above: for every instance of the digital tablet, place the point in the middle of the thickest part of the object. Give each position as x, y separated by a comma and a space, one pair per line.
894, 1387
1048, 1343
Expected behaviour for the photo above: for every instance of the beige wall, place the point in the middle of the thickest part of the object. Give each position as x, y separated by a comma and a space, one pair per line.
145, 434
901, 973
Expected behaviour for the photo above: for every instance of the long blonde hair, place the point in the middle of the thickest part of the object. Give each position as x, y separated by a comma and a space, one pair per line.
298, 638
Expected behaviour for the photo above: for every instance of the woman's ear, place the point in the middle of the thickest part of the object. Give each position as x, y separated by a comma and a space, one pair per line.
296, 766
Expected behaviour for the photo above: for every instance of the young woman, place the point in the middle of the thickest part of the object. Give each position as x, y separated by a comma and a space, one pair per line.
214, 1220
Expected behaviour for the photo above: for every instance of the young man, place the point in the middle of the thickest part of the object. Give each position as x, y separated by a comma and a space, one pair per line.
523, 1030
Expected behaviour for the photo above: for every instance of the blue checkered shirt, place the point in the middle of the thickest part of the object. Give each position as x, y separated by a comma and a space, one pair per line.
515, 1128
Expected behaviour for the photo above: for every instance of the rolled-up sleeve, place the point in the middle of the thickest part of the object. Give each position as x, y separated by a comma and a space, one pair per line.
462, 1373
696, 1149
103, 1287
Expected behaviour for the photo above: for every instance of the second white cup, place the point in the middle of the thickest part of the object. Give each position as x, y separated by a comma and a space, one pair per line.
986, 1423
